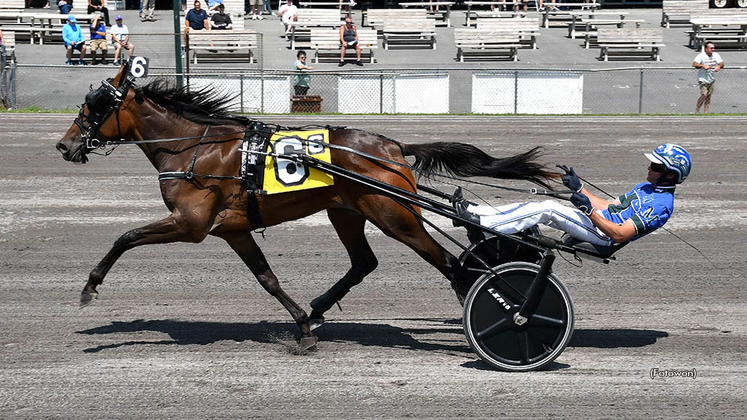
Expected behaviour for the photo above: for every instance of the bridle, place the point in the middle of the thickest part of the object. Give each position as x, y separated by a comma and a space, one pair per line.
108, 97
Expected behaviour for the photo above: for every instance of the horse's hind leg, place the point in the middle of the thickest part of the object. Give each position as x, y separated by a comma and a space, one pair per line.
245, 246
399, 223
349, 226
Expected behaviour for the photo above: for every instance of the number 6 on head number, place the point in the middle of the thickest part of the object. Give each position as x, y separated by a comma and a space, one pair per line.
138, 67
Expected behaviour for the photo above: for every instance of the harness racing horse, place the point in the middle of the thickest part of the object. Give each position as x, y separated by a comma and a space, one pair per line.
169, 124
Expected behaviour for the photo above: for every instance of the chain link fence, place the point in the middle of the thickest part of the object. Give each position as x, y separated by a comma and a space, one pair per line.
434, 91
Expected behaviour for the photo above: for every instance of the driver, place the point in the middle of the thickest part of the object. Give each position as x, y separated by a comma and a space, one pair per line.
644, 209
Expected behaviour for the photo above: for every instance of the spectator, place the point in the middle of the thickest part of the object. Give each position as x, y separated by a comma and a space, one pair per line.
65, 6
221, 20
196, 19
288, 14
347, 4
96, 6
349, 39
708, 63
267, 7
256, 12
2, 52
213, 5
72, 35
121, 40
98, 39
148, 10
301, 82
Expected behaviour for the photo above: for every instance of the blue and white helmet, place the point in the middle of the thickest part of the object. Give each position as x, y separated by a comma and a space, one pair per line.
674, 157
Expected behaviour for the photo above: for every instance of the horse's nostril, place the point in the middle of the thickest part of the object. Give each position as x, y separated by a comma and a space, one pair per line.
61, 147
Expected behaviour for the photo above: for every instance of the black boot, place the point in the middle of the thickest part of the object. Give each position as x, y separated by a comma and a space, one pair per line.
460, 205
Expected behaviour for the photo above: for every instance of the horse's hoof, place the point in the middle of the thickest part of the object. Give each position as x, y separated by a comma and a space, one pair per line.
87, 298
315, 323
307, 343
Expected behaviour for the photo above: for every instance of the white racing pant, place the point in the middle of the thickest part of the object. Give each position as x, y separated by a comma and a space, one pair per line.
513, 218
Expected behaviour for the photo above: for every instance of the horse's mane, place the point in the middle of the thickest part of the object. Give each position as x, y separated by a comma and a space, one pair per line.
203, 106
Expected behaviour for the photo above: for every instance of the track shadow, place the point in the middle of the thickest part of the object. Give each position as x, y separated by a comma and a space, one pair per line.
615, 338
203, 333
603, 339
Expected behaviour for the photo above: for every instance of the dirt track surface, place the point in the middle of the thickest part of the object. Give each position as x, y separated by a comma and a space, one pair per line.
185, 331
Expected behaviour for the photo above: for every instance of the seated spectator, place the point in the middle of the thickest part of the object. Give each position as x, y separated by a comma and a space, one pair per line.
98, 40
301, 82
213, 5
72, 35
288, 14
221, 20
96, 6
196, 19
65, 6
349, 39
148, 8
121, 39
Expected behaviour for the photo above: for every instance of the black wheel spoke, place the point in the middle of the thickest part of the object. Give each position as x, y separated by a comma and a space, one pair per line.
502, 325
537, 320
522, 339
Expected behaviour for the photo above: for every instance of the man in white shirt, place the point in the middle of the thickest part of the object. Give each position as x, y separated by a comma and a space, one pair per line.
708, 63
288, 13
121, 39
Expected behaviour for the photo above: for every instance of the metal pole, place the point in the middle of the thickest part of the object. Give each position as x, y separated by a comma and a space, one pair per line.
640, 94
394, 93
381, 93
13, 84
241, 94
516, 91
262, 91
178, 44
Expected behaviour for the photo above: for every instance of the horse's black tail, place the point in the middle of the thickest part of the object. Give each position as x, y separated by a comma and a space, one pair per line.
465, 160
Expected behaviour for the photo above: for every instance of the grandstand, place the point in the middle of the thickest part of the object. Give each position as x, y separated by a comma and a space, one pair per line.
555, 48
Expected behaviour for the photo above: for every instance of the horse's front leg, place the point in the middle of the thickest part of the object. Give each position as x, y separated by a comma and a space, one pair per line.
249, 252
160, 232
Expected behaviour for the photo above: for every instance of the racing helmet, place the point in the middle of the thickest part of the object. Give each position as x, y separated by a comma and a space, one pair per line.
674, 157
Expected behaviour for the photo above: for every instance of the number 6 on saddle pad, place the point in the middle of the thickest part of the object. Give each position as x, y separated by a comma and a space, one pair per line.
285, 175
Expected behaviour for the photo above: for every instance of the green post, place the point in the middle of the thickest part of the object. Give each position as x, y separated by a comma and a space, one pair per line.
178, 44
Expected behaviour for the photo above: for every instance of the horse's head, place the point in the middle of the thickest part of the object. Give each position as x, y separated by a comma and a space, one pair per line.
98, 120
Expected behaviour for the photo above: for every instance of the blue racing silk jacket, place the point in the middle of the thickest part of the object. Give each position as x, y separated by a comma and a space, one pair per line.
647, 205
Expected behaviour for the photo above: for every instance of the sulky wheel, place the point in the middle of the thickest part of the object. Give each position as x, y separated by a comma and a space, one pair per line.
495, 251
489, 323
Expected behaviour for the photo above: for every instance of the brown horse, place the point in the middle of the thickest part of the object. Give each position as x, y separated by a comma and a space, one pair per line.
122, 111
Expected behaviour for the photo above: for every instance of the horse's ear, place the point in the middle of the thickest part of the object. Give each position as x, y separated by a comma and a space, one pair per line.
122, 75
125, 69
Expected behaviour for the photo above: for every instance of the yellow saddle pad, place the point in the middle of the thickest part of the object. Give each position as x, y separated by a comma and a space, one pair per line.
284, 175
